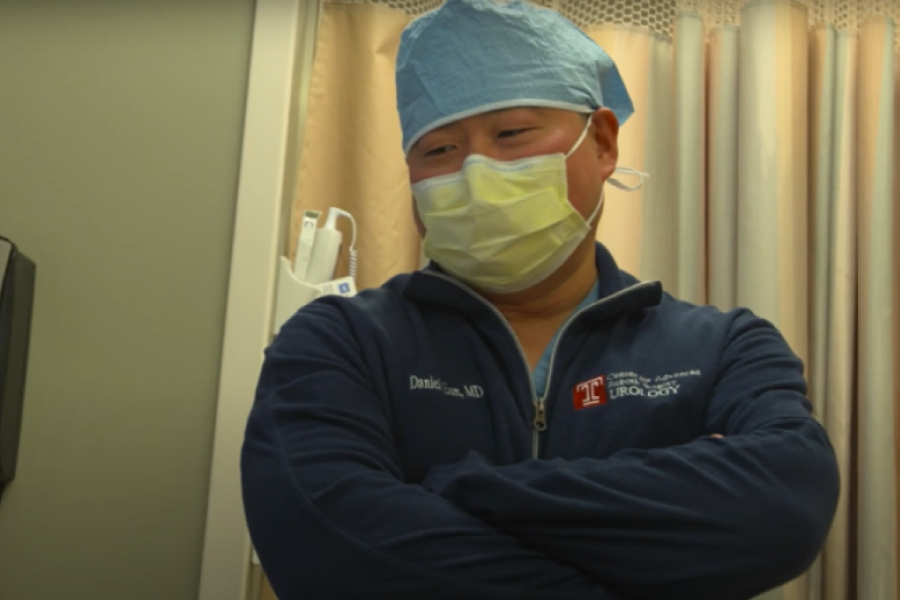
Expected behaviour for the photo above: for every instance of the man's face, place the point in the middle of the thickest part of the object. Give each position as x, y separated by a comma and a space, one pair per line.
515, 133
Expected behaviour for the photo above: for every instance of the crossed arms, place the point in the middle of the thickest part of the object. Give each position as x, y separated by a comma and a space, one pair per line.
331, 516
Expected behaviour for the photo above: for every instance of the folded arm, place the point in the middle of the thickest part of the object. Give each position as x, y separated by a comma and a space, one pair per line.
327, 508
717, 518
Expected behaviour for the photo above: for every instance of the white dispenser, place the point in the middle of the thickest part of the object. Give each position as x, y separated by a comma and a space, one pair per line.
305, 243
326, 247
296, 290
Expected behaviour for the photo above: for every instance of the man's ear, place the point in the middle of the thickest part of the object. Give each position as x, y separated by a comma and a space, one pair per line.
606, 139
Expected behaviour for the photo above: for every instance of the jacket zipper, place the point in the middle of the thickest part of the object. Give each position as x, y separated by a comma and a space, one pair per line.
539, 424
540, 417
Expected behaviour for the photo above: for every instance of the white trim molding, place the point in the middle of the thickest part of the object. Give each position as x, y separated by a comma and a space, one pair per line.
280, 61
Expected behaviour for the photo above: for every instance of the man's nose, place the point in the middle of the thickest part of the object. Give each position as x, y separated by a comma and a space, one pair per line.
483, 144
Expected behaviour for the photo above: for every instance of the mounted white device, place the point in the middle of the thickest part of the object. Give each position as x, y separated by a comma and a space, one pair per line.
312, 274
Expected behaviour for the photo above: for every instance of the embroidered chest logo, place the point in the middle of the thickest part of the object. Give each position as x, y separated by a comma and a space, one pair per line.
599, 390
590, 393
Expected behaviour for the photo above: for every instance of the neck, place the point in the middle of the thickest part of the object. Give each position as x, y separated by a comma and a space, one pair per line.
555, 298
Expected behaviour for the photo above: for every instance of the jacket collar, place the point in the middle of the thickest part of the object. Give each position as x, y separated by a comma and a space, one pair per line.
619, 291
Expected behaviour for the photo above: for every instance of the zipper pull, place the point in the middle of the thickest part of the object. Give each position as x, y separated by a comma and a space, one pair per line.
540, 416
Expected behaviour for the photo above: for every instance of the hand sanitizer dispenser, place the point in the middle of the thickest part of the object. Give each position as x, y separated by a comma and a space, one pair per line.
313, 273
16, 298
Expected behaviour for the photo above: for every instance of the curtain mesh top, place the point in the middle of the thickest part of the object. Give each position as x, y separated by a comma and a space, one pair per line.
658, 16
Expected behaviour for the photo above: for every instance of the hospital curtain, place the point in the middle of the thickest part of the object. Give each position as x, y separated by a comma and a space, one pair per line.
768, 128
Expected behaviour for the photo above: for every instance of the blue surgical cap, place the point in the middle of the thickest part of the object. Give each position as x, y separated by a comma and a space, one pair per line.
473, 56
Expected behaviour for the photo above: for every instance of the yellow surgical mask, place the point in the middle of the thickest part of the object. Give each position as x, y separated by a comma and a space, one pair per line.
503, 227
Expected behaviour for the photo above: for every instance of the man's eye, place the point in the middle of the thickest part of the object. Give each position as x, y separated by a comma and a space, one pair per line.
512, 132
439, 150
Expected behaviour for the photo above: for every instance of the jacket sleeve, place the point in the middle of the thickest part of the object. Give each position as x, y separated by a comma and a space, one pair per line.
328, 511
713, 519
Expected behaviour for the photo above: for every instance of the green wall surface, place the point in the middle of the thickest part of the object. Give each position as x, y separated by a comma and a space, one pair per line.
120, 133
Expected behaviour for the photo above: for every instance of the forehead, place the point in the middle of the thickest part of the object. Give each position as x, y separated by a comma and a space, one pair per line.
487, 118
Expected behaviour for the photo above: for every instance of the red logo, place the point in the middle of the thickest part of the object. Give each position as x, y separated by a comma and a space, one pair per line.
590, 393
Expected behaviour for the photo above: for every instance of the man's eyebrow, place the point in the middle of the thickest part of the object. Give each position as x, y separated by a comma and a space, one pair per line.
526, 112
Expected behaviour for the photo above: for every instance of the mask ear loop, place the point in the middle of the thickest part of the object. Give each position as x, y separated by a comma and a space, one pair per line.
597, 208
580, 138
583, 135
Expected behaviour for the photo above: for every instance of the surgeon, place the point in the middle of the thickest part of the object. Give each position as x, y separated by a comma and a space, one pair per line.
521, 419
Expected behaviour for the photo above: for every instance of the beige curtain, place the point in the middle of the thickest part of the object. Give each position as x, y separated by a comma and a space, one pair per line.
351, 155
768, 128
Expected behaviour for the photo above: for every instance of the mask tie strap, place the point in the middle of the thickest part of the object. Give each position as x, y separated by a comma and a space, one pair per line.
629, 171
622, 186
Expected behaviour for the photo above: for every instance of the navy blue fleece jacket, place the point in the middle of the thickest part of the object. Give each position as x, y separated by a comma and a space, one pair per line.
397, 449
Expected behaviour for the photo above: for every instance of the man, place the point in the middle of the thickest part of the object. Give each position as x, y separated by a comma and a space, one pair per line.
521, 419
